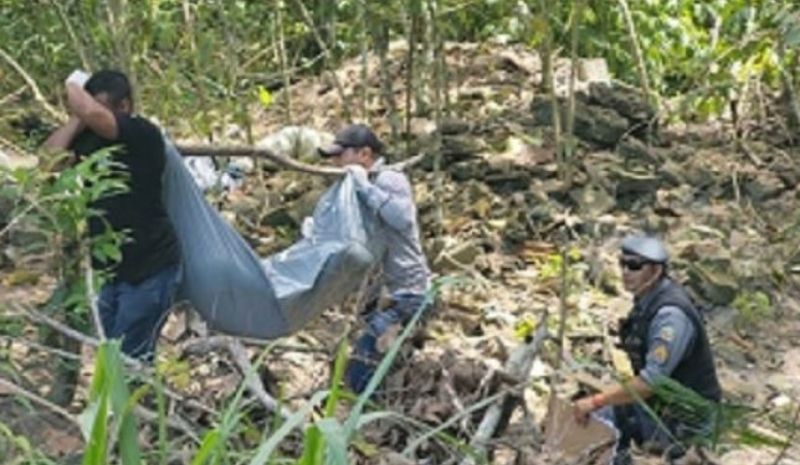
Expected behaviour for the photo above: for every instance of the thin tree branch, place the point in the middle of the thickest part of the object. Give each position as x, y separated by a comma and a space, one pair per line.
12, 96
91, 297
562, 303
38, 400
310, 22
790, 440
791, 94
140, 411
381, 40
44, 348
76, 44
412, 27
438, 70
363, 37
251, 379
233, 346
286, 162
569, 148
282, 60
174, 422
39, 317
37, 94
637, 50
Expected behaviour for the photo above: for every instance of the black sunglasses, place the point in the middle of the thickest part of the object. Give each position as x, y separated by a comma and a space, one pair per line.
632, 263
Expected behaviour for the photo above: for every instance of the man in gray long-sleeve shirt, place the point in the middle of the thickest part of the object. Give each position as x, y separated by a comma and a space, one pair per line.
405, 270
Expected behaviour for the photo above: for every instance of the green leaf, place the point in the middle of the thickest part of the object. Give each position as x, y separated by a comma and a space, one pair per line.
336, 440
162, 420
264, 96
208, 446
108, 390
87, 418
95, 452
313, 447
265, 450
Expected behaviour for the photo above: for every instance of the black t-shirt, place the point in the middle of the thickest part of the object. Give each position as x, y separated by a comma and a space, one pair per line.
151, 245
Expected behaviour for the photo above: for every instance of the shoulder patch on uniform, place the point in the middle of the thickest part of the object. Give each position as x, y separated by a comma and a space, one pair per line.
667, 333
660, 353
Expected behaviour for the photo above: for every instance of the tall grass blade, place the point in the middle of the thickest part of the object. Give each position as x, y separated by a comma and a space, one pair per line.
335, 439
109, 394
313, 442
265, 450
161, 406
208, 446
212, 449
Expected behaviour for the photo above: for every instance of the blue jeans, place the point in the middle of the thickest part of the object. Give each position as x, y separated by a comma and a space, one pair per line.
366, 357
137, 312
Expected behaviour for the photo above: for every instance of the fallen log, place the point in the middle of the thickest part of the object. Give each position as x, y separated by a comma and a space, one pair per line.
518, 366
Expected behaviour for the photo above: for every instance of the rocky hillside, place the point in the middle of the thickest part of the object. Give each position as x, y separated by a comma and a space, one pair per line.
528, 243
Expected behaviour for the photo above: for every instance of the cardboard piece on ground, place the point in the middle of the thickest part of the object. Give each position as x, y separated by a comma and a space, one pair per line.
564, 436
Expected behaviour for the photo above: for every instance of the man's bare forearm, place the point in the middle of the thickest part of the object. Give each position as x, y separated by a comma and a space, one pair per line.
62, 137
91, 113
636, 389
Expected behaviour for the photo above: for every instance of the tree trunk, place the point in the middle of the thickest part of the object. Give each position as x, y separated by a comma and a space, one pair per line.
381, 40
281, 49
364, 38
438, 71
570, 142
413, 26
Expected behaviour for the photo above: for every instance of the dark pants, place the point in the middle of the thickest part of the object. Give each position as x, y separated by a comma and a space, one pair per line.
366, 357
137, 312
634, 424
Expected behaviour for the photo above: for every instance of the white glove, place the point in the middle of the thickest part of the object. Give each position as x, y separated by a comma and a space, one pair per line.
78, 77
307, 228
359, 175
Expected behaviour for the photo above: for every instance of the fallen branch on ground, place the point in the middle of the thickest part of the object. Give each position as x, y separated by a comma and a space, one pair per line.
14, 389
242, 360
518, 366
36, 346
234, 346
199, 345
38, 317
140, 411
174, 422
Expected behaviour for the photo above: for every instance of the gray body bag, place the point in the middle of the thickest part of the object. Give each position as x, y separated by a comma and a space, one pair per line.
237, 292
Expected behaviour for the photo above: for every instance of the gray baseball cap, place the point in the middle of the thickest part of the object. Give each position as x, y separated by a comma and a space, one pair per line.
647, 247
356, 136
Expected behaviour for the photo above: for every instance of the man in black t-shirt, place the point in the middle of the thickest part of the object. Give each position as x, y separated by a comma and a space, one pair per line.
134, 304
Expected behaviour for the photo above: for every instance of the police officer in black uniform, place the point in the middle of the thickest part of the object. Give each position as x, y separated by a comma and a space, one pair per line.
664, 336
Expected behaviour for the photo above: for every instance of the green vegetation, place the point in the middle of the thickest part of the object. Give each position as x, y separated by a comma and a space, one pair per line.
751, 308
198, 66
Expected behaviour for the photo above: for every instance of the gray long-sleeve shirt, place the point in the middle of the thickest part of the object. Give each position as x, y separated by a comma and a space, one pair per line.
405, 269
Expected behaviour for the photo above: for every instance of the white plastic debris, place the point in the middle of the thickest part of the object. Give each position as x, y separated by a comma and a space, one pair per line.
296, 142
207, 176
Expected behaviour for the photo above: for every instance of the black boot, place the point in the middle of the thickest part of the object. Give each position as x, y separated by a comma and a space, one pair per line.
673, 453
